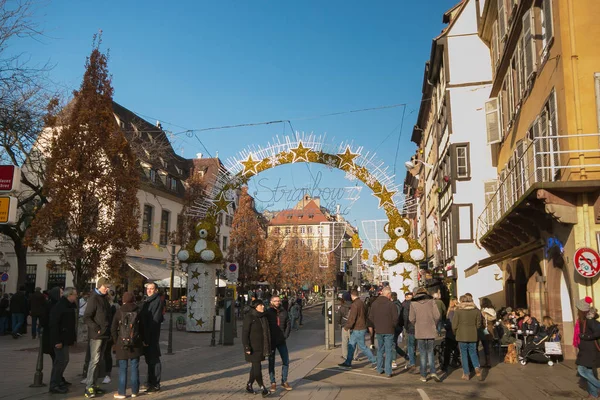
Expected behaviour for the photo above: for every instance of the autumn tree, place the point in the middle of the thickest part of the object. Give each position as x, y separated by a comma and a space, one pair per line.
26, 98
247, 238
298, 262
92, 180
271, 254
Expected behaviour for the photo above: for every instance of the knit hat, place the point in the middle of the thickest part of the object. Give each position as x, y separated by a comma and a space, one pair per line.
128, 297
347, 297
582, 305
588, 300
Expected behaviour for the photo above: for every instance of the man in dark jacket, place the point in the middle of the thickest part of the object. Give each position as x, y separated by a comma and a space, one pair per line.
19, 309
409, 331
398, 330
151, 317
62, 335
4, 305
342, 316
97, 319
279, 327
384, 316
37, 301
357, 325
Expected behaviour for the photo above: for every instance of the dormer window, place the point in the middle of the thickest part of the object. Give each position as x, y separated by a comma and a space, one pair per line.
152, 175
172, 183
163, 162
179, 171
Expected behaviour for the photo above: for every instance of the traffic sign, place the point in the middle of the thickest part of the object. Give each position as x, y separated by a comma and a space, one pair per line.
8, 210
4, 277
232, 272
587, 262
10, 178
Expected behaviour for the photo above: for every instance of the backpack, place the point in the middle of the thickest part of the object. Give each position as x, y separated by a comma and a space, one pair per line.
129, 329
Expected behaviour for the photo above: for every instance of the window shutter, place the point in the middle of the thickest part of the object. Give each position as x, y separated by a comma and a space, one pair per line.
529, 44
548, 23
491, 202
495, 46
492, 120
501, 19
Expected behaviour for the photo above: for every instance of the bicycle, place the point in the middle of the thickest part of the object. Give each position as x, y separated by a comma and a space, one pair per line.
180, 323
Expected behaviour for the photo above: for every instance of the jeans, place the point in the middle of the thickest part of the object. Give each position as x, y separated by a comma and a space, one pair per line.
59, 364
468, 351
592, 381
293, 322
285, 363
426, 356
357, 338
3, 325
385, 344
398, 349
97, 347
411, 350
34, 325
134, 376
345, 340
18, 319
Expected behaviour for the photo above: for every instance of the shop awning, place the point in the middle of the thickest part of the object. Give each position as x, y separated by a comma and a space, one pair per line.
157, 270
504, 255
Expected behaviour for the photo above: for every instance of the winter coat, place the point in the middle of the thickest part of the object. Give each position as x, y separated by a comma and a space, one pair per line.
18, 303
384, 315
465, 322
588, 346
424, 314
409, 327
400, 321
295, 311
357, 318
4, 305
279, 325
342, 314
441, 308
97, 316
53, 298
487, 321
256, 337
507, 338
448, 325
533, 325
62, 323
37, 302
151, 317
137, 349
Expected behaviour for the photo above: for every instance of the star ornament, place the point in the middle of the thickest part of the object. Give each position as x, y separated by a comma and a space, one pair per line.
192, 299
199, 322
406, 274
347, 158
222, 203
300, 152
195, 274
206, 273
385, 197
196, 286
395, 273
191, 315
250, 165
405, 288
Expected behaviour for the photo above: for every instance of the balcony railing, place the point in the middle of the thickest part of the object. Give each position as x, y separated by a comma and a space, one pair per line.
540, 160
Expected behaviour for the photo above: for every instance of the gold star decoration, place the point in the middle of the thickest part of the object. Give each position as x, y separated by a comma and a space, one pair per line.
347, 157
195, 274
405, 288
206, 273
249, 165
191, 315
196, 286
385, 196
199, 322
406, 274
300, 152
222, 203
192, 299
395, 273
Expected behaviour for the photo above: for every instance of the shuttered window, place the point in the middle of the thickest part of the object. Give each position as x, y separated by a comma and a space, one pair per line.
547, 23
491, 202
529, 44
492, 120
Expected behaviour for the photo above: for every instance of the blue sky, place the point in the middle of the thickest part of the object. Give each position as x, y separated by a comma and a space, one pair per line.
200, 64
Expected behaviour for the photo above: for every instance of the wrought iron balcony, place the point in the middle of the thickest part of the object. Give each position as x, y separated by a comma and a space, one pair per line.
560, 158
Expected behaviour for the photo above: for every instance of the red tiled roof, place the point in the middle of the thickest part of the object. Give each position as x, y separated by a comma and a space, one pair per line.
311, 214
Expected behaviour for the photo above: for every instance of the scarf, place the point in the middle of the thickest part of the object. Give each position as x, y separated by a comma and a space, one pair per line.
266, 334
466, 306
576, 333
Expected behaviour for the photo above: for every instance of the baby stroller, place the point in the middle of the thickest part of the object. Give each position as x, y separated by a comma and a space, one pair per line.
440, 351
539, 350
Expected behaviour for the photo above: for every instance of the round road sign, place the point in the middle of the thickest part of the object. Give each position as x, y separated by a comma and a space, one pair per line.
4, 277
232, 267
587, 262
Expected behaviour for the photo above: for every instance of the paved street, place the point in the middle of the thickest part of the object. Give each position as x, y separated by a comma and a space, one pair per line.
200, 371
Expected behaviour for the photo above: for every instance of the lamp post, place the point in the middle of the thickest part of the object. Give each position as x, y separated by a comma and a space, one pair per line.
172, 253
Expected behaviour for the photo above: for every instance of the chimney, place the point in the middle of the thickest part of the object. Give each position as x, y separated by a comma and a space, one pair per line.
158, 125
217, 154
198, 155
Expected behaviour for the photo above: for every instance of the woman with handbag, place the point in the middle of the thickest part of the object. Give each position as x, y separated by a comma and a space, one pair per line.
465, 323
256, 339
589, 349
488, 314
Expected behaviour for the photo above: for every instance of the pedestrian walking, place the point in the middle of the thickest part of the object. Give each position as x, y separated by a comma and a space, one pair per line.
450, 343
442, 310
37, 303
486, 333
409, 330
108, 360
96, 317
19, 310
62, 335
4, 306
357, 326
465, 323
127, 336
342, 314
384, 316
256, 339
587, 356
294, 316
279, 326
398, 330
151, 318
425, 315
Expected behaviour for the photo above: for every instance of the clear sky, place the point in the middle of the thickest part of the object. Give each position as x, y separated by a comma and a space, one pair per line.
201, 64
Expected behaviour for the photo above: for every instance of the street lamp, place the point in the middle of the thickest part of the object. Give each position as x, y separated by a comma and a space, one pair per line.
172, 253
411, 164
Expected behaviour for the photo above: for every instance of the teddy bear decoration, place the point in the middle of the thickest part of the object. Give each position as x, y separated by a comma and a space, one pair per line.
204, 249
401, 247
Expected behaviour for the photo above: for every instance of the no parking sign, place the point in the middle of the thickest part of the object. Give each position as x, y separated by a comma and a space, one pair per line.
232, 272
587, 262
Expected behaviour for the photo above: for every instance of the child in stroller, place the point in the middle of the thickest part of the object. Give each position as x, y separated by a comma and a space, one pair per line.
535, 350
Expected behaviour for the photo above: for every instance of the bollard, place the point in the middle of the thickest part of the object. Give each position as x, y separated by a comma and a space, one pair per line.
38, 377
212, 338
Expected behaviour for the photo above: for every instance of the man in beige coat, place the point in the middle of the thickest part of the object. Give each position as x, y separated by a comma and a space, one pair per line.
424, 314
